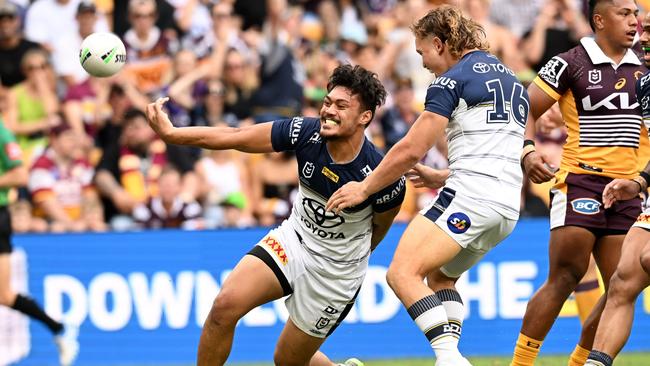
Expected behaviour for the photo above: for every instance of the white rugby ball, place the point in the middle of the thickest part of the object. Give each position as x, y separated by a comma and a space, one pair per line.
102, 54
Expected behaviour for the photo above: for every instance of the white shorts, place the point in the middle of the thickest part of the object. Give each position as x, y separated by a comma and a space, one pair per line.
474, 225
317, 303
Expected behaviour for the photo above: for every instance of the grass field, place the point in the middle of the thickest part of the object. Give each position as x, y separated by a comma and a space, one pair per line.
627, 359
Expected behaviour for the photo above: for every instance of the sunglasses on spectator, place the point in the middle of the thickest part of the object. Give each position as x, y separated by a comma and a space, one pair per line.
143, 15
7, 16
36, 67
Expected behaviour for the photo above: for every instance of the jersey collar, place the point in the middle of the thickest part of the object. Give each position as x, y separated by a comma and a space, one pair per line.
597, 55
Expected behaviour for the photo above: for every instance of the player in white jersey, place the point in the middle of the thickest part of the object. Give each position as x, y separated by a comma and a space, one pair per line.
316, 257
483, 108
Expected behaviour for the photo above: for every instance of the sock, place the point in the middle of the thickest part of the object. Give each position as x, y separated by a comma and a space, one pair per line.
453, 304
599, 359
526, 351
587, 295
579, 356
30, 308
431, 317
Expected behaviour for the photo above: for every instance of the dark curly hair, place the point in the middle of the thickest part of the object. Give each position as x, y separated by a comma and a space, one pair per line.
362, 83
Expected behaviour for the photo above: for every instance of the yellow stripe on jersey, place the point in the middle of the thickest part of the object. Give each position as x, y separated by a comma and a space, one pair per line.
547, 89
608, 161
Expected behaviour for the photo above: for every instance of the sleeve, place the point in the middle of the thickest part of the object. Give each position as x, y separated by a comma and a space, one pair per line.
553, 78
287, 134
643, 96
12, 154
41, 182
389, 197
442, 96
109, 161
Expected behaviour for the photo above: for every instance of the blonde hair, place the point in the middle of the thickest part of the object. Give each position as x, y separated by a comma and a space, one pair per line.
451, 27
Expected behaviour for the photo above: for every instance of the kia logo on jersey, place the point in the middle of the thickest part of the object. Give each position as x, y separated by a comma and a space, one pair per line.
316, 212
586, 206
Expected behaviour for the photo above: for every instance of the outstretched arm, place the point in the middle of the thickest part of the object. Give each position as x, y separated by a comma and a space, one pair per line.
251, 139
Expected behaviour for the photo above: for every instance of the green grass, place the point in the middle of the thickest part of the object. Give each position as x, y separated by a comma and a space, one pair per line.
627, 359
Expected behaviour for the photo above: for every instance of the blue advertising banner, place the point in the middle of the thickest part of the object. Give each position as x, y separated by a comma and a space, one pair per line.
140, 298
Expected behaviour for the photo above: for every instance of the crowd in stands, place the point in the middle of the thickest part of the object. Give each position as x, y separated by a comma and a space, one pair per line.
96, 165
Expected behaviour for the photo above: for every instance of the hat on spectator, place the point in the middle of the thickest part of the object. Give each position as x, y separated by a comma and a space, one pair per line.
355, 32
86, 6
8, 8
62, 127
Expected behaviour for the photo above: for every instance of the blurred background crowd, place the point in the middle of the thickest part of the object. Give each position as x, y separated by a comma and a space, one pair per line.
95, 164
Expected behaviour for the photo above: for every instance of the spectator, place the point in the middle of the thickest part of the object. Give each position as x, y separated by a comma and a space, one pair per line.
275, 180
281, 76
128, 173
396, 120
227, 202
33, 106
60, 182
65, 54
168, 210
236, 89
148, 49
48, 20
558, 28
13, 45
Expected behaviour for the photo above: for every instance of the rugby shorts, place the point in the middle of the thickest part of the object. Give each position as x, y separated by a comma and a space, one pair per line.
317, 302
473, 224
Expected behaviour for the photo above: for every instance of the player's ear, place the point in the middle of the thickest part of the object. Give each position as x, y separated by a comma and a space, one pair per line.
365, 118
598, 21
438, 45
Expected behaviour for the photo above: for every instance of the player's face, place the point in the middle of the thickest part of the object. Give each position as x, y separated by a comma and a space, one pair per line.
428, 48
341, 114
645, 40
619, 22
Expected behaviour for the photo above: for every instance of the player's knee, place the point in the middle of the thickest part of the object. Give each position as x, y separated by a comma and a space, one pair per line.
566, 278
645, 261
394, 278
225, 309
620, 290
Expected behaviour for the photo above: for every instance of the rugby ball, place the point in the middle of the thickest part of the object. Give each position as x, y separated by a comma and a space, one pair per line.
102, 54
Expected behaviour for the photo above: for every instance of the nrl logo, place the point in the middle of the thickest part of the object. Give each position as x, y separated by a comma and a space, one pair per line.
595, 76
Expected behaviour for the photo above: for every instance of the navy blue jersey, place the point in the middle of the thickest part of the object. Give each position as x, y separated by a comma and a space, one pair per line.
337, 238
487, 108
643, 95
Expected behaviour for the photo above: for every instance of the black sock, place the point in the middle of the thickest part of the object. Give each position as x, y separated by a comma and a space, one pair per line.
30, 308
601, 357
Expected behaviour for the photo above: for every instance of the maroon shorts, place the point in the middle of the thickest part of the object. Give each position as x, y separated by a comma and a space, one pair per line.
577, 200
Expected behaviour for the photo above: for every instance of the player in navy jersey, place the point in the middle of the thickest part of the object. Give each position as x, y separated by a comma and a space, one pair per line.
632, 273
318, 258
483, 108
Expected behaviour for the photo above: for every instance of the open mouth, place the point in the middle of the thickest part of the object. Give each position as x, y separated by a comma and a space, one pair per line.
631, 34
332, 122
646, 51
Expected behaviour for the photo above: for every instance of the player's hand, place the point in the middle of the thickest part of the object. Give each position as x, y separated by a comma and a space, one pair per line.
351, 194
424, 176
537, 168
158, 119
619, 190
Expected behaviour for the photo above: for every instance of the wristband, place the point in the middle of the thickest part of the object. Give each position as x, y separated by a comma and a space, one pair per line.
646, 177
529, 142
527, 150
643, 185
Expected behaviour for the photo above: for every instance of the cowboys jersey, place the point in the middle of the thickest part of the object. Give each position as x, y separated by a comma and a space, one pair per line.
487, 109
338, 243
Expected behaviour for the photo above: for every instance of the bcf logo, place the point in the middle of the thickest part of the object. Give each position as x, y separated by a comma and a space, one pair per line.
586, 206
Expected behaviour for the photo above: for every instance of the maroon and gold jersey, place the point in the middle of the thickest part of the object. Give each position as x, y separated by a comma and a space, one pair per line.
600, 109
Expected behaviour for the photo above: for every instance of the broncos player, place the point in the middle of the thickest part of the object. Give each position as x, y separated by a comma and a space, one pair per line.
632, 273
319, 258
482, 108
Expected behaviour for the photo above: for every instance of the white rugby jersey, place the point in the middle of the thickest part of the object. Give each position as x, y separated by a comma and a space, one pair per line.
487, 109
339, 244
